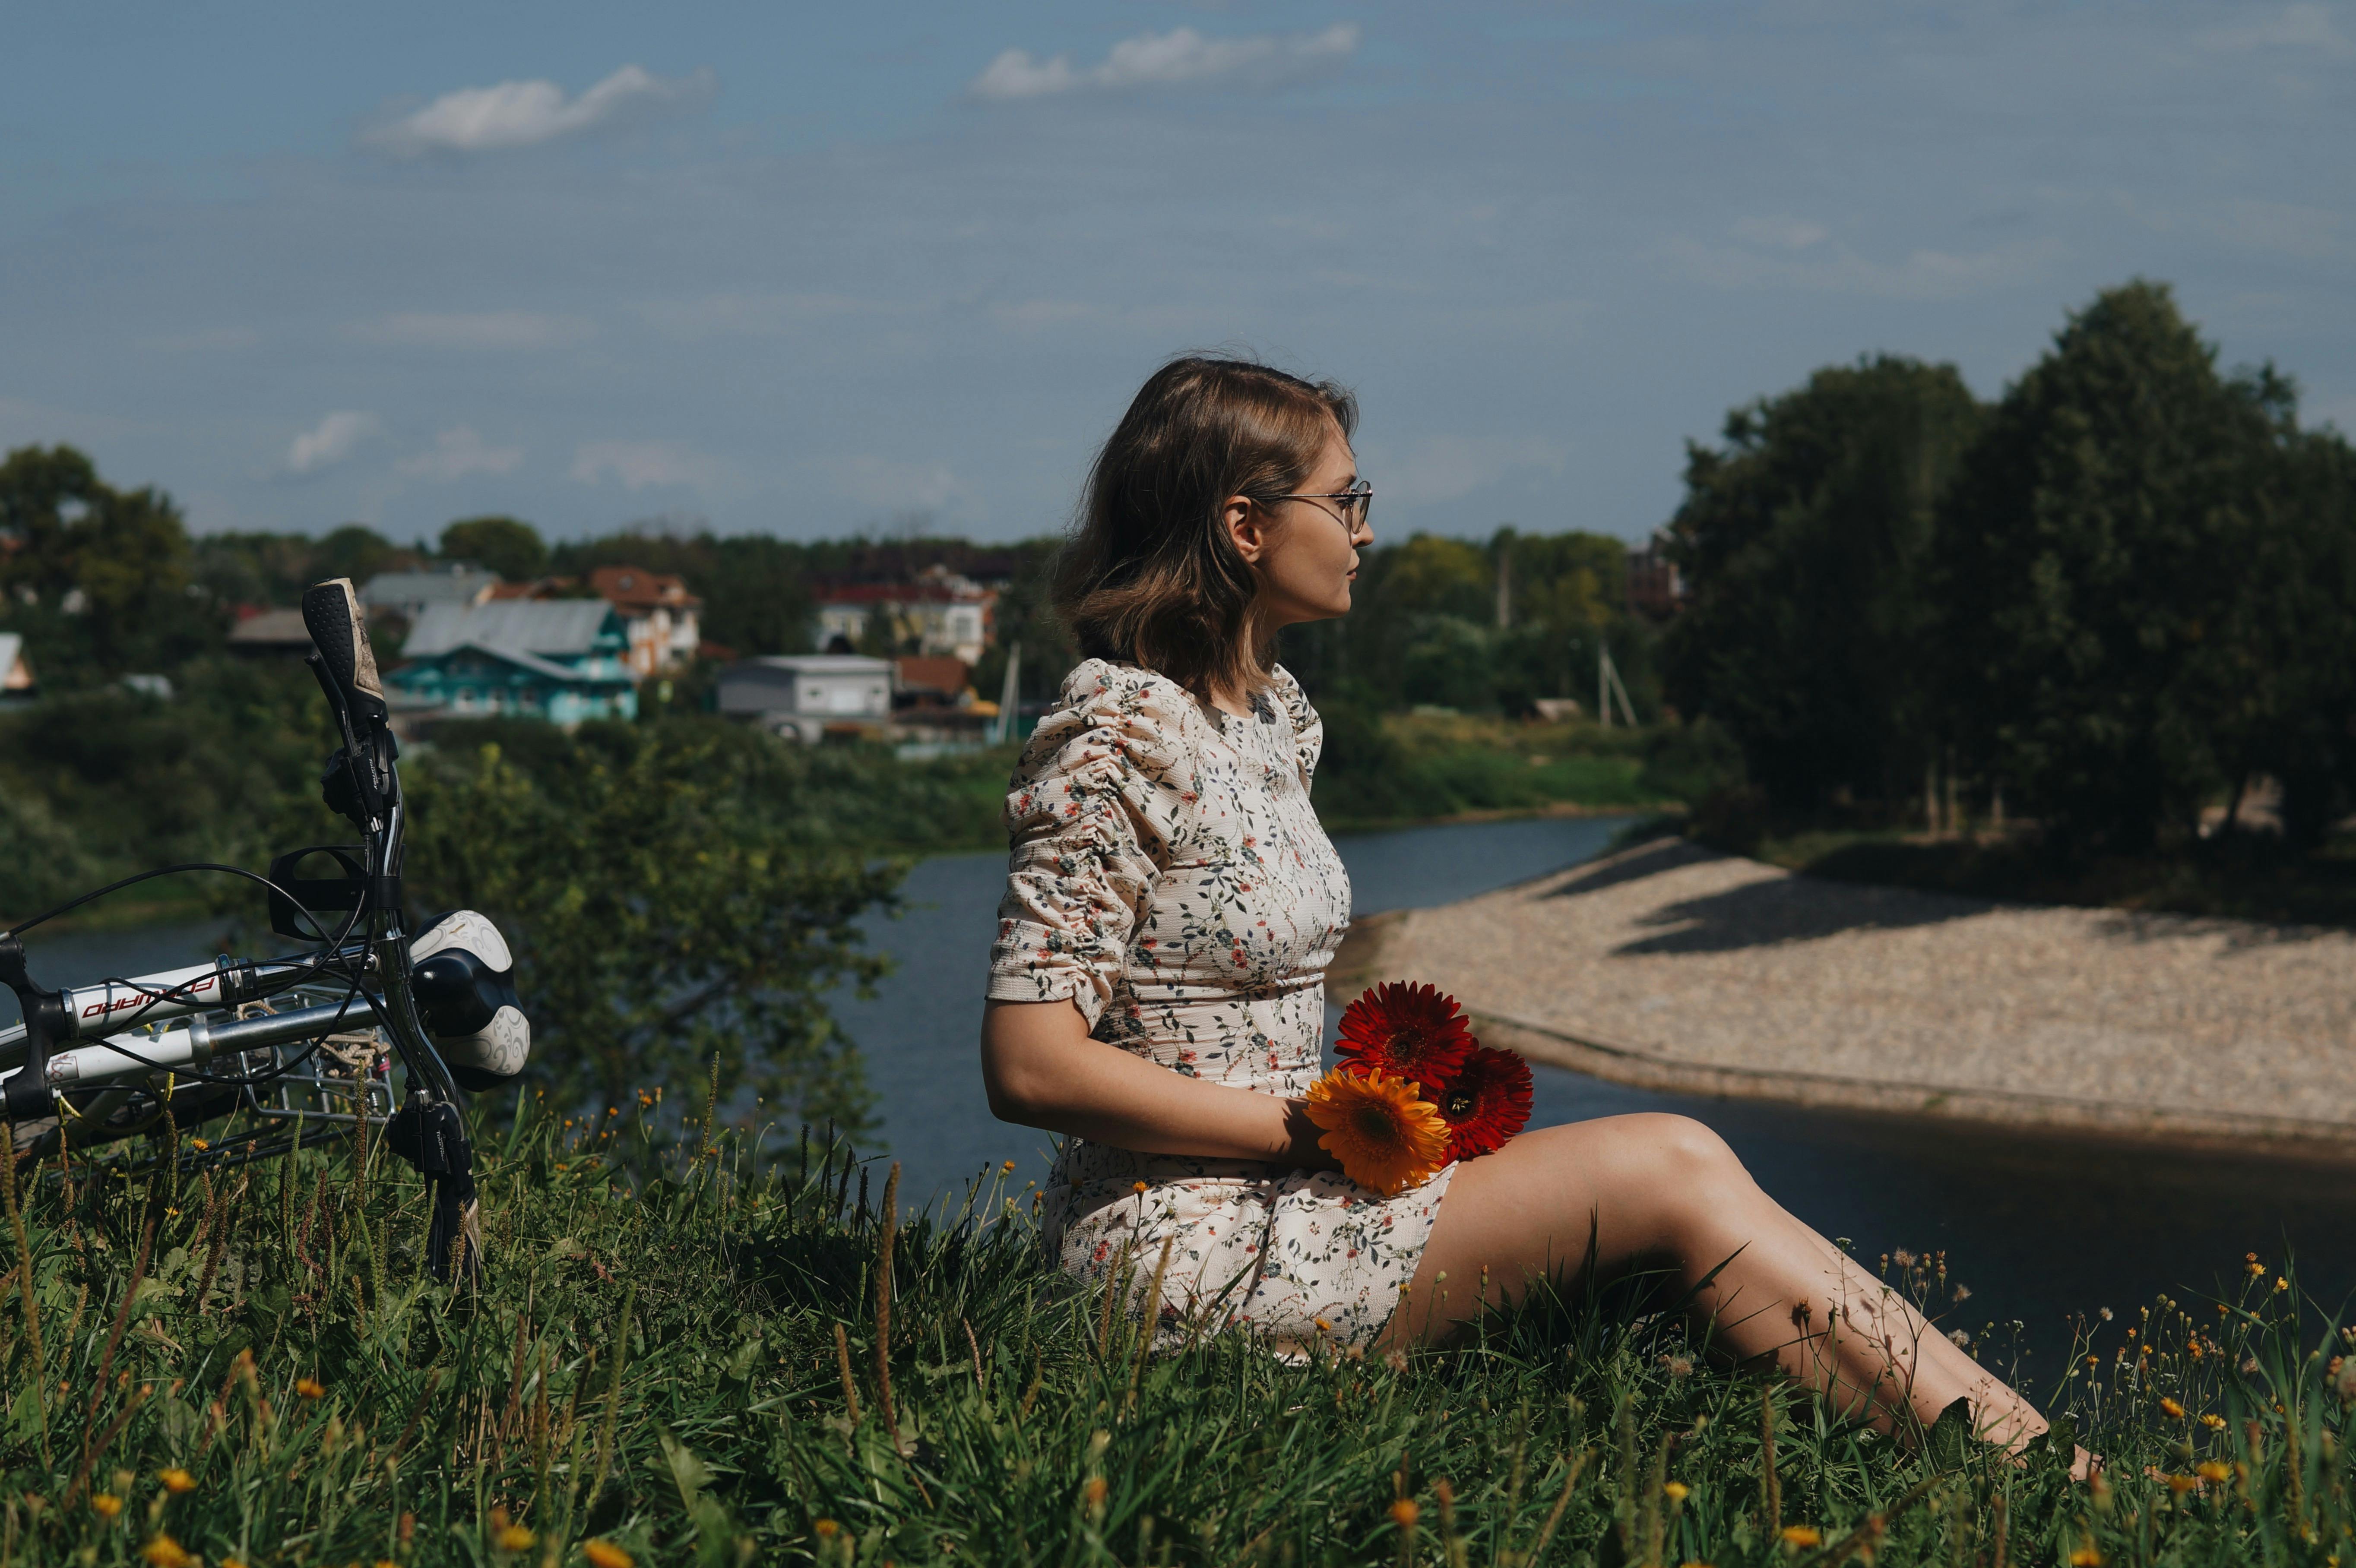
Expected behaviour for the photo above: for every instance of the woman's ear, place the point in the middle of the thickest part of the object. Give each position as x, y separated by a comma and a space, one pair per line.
1247, 524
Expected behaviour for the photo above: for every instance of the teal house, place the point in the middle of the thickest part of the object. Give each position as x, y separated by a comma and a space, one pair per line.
556, 659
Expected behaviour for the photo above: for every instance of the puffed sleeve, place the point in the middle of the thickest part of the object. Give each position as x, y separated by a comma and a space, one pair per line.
1102, 791
1307, 730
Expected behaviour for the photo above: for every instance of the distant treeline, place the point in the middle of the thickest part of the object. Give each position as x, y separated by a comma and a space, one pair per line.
104, 582
2123, 592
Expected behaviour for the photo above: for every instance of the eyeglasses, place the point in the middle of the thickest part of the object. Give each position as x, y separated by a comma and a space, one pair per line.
1355, 503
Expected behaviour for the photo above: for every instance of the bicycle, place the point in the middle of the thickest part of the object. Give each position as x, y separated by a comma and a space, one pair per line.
305, 1042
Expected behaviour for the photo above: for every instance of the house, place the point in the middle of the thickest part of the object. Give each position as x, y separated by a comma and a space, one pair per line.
15, 674
270, 634
802, 696
924, 682
940, 613
657, 612
1657, 589
409, 594
557, 659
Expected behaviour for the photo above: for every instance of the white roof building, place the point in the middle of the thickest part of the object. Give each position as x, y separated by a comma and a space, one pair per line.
798, 695
409, 593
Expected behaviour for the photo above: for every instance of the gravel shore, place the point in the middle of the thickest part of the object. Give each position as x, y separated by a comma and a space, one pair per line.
1676, 967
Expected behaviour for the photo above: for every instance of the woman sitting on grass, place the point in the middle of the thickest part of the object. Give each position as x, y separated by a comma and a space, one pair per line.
1157, 986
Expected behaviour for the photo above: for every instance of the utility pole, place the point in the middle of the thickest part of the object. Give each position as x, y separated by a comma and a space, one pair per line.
1010, 696
1607, 684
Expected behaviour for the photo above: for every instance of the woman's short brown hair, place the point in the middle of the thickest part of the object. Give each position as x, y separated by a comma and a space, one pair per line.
1149, 574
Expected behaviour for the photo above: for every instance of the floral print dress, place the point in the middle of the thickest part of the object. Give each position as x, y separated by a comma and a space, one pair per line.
1169, 877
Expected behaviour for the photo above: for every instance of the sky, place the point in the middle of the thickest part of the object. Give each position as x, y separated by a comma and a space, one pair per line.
821, 269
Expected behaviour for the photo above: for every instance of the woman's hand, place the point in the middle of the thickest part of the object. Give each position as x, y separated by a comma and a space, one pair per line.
1042, 1070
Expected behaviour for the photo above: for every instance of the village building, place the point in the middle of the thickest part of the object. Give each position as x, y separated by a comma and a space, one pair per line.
563, 660
803, 696
1657, 589
15, 672
270, 634
941, 614
409, 594
659, 616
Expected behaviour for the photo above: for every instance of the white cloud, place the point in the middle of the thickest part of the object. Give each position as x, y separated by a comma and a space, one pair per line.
477, 329
759, 314
526, 113
1922, 274
1788, 233
207, 340
457, 453
638, 464
328, 442
2301, 27
899, 487
1435, 469
1159, 59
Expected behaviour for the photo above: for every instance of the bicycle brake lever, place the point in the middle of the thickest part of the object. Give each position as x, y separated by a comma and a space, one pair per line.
27, 1096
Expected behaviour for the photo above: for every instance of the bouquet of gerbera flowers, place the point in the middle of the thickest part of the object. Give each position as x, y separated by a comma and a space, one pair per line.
1415, 1090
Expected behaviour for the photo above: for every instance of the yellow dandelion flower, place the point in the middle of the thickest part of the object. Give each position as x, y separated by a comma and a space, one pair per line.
1801, 1535
824, 1529
166, 1552
2172, 1410
1096, 1491
1006, 1169
1404, 1513
310, 1387
2281, 1285
2181, 1485
107, 1505
1677, 1491
2213, 1422
605, 1555
176, 1480
2087, 1556
198, 1144
1137, 1187
1386, 1135
515, 1537
2215, 1471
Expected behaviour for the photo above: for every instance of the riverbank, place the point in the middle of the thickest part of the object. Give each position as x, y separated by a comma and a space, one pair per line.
1674, 967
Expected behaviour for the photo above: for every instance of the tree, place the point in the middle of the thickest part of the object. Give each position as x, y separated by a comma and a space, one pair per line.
514, 549
97, 579
2091, 555
1805, 541
662, 907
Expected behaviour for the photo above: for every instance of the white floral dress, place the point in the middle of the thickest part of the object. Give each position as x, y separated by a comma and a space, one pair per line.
1169, 877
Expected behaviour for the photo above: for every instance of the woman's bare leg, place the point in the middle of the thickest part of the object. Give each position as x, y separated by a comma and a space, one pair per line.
1666, 1192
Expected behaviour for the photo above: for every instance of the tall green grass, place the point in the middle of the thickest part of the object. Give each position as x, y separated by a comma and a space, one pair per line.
722, 1352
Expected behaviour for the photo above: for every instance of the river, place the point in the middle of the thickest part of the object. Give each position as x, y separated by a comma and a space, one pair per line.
2038, 1228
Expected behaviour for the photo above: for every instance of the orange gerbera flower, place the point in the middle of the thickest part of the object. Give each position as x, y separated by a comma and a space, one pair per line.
1385, 1137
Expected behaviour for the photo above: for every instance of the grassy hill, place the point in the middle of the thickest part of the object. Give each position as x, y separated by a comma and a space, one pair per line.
680, 1353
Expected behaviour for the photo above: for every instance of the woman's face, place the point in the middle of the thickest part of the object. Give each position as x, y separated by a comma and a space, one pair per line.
1305, 553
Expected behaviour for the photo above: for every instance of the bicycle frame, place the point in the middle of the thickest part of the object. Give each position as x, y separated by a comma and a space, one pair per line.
121, 1036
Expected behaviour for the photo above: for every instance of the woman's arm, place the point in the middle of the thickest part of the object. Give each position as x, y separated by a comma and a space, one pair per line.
1043, 1070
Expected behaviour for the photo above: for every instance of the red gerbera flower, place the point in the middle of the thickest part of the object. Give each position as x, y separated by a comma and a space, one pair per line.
1487, 1102
1407, 1031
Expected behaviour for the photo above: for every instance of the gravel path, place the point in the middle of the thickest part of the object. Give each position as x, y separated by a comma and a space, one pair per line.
1678, 968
